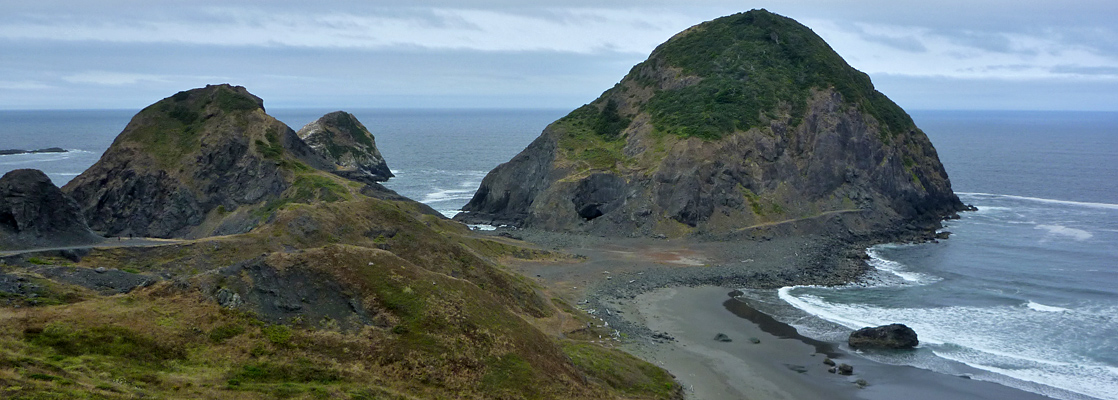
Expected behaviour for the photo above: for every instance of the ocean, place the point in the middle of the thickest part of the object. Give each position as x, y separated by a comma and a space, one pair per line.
1024, 293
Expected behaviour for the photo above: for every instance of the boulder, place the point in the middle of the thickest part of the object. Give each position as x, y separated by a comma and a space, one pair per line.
35, 213
894, 336
721, 337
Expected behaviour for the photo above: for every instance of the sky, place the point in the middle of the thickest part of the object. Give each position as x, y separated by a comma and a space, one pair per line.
942, 55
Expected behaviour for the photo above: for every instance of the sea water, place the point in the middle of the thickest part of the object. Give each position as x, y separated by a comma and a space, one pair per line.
1025, 293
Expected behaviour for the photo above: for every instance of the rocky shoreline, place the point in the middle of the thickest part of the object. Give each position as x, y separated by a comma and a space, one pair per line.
763, 262
669, 311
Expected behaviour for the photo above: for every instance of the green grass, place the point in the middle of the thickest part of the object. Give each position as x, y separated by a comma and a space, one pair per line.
593, 136
273, 148
621, 371
754, 65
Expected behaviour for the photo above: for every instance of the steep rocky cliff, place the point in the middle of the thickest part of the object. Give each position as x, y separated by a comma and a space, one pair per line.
35, 213
193, 164
744, 122
340, 138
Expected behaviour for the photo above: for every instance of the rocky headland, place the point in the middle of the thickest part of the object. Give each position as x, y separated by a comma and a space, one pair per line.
746, 123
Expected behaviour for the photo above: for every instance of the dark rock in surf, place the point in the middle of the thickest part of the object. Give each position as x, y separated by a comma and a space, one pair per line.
721, 337
35, 213
893, 336
9, 152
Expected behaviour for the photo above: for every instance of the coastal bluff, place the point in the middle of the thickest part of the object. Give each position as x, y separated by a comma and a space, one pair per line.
210, 161
743, 123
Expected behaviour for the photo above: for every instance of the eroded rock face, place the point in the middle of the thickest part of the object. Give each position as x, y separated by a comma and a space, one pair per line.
35, 213
893, 336
192, 165
340, 138
691, 143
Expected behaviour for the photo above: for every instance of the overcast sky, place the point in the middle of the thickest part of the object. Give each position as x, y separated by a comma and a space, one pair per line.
975, 54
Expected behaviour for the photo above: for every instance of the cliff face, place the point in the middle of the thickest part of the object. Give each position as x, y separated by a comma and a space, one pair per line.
193, 164
747, 121
34, 213
340, 138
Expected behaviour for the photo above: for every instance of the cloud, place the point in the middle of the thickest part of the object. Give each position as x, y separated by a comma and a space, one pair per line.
563, 30
113, 78
964, 54
23, 85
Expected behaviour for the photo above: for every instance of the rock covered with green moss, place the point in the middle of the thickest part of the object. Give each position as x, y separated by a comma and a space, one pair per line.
342, 139
746, 122
193, 164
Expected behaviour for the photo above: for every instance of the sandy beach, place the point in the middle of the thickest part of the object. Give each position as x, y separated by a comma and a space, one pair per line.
668, 300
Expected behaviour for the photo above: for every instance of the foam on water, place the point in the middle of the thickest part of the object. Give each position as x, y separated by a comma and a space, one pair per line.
896, 268
447, 195
1033, 343
1060, 230
1041, 307
1040, 200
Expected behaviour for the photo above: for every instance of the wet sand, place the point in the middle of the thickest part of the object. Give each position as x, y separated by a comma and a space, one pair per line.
783, 365
643, 288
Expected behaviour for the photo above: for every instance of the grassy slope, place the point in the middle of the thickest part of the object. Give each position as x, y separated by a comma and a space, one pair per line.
464, 337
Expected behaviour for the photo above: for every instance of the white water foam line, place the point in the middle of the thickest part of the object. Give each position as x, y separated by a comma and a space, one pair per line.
1043, 200
1043, 308
992, 344
1060, 230
898, 269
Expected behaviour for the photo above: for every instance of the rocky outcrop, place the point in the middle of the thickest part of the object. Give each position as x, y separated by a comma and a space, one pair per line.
743, 123
194, 164
893, 336
9, 152
35, 213
340, 138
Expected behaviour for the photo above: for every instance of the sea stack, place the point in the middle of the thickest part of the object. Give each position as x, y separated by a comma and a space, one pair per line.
193, 164
748, 121
343, 140
35, 213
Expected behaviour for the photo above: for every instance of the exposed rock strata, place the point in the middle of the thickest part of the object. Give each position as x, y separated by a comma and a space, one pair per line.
667, 152
35, 213
340, 138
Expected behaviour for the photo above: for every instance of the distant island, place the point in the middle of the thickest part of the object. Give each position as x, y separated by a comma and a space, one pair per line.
9, 152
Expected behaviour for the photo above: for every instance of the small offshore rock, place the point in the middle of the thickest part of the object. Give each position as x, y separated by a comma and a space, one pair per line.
845, 369
798, 368
893, 336
754, 340
721, 337
861, 383
829, 361
832, 370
